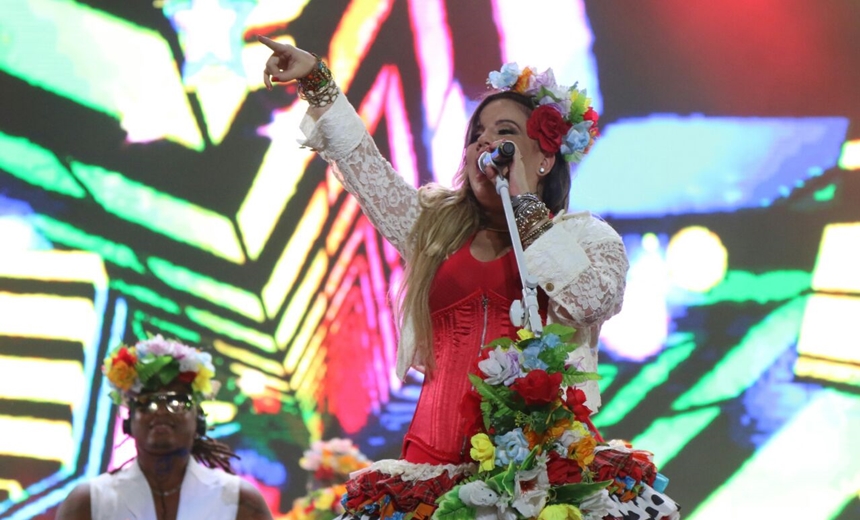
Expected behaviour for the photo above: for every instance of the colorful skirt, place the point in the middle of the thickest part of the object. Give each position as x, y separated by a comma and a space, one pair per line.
396, 489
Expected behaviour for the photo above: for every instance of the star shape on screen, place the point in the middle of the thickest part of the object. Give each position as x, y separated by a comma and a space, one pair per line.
211, 33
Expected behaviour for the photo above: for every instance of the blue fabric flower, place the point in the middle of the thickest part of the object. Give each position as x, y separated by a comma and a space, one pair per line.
577, 138
504, 78
511, 447
531, 361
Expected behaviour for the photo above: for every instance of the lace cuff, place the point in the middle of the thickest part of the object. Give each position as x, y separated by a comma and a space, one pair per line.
336, 133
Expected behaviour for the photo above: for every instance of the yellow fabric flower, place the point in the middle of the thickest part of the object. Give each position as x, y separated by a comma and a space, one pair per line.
122, 375
560, 512
583, 451
483, 451
325, 499
525, 334
203, 381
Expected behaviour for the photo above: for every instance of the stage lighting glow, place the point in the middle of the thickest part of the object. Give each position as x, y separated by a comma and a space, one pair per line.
298, 306
667, 436
170, 328
696, 259
272, 189
779, 484
251, 382
231, 329
78, 58
219, 412
249, 358
177, 219
72, 319
838, 257
25, 437
351, 40
13, 488
746, 362
145, 295
70, 236
649, 377
639, 331
66, 377
827, 330
850, 158
36, 165
302, 346
290, 263
219, 293
825, 370
676, 164
743, 286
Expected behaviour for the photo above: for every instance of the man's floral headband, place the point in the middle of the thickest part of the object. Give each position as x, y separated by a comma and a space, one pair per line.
563, 120
156, 362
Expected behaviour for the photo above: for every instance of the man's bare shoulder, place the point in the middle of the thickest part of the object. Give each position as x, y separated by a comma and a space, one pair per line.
252, 506
77, 505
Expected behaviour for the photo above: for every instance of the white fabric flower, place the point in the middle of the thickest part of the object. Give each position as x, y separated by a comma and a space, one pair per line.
530, 491
478, 494
597, 506
500, 367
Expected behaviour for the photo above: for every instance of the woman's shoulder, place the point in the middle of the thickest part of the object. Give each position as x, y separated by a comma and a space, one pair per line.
587, 223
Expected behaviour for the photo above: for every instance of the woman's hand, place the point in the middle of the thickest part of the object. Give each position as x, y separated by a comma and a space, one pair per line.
286, 62
515, 172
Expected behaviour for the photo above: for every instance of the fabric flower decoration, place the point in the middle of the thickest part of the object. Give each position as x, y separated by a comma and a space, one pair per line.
511, 447
500, 367
547, 127
530, 491
538, 387
483, 451
506, 77
478, 494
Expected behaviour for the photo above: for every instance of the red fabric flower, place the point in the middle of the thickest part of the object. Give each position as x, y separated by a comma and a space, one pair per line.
575, 400
124, 356
470, 409
186, 377
591, 115
562, 470
538, 387
548, 128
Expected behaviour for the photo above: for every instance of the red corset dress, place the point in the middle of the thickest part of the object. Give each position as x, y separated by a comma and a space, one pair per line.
469, 303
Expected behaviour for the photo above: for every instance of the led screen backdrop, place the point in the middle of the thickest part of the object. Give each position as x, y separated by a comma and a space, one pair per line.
150, 184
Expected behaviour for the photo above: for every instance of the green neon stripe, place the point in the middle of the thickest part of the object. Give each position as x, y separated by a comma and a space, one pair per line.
176, 218
170, 328
70, 236
145, 295
607, 374
775, 483
651, 376
219, 293
742, 286
232, 329
71, 50
667, 436
36, 165
825, 194
746, 362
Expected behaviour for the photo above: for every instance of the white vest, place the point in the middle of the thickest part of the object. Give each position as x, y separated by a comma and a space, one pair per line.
125, 495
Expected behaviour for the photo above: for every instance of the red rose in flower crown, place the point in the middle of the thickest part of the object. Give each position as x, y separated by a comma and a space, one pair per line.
538, 387
548, 128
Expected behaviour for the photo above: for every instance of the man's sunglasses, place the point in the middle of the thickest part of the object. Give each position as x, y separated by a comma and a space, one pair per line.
174, 402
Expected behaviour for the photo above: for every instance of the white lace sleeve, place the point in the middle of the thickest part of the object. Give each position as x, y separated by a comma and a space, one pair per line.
386, 198
582, 266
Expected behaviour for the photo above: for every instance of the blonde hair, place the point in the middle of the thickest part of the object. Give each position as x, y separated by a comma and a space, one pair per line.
448, 217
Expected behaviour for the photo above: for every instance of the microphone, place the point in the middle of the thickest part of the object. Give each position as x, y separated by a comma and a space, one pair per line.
502, 155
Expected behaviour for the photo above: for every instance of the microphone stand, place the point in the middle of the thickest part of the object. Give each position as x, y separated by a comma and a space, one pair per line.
526, 312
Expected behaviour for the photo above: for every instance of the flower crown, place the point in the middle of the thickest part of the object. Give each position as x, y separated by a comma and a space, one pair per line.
156, 362
563, 120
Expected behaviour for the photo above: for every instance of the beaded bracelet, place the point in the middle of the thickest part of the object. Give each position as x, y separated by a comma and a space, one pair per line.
318, 88
529, 210
535, 233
